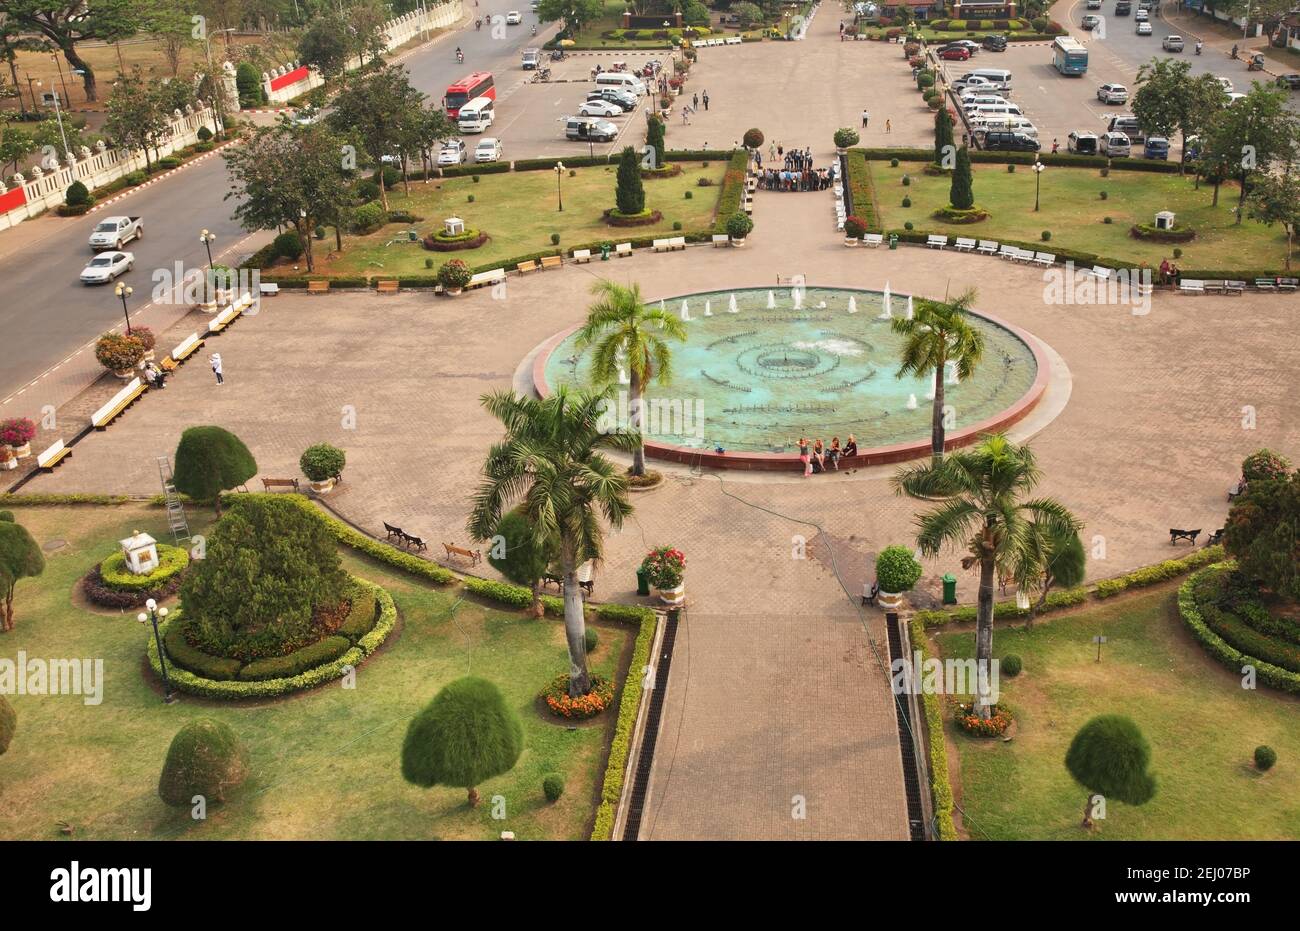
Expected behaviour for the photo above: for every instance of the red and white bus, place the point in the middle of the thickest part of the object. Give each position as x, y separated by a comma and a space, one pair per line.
478, 84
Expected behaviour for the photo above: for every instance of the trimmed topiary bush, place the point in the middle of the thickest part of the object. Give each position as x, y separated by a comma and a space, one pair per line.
753, 138
322, 462
739, 225
1045, 235
1110, 756
591, 638
205, 759
1265, 757
897, 569
367, 218
77, 195
288, 245
1011, 665
907, 201
845, 137
210, 460
553, 787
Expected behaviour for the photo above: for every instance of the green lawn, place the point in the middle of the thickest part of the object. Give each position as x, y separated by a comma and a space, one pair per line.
1202, 727
518, 210
324, 763
1072, 209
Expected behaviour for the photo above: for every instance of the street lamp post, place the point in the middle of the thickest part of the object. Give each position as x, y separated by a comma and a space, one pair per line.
559, 171
124, 291
1038, 175
62, 79
153, 613
207, 238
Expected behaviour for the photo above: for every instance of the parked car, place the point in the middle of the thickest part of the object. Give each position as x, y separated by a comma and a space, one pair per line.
487, 150
1291, 81
600, 108
1115, 145
955, 53
1156, 147
1172, 43
531, 57
513, 18
106, 266
1123, 8
974, 82
453, 152
1141, 15
1081, 143
624, 99
1091, 22
1010, 142
1143, 29
1225, 84
996, 43
1112, 93
1234, 97
116, 232
1094, 4
1128, 125
967, 44
587, 129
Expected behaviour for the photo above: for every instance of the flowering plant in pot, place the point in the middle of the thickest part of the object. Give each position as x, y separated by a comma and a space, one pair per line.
16, 434
147, 340
665, 568
739, 225
7, 458
854, 229
844, 138
323, 465
454, 276
896, 572
119, 353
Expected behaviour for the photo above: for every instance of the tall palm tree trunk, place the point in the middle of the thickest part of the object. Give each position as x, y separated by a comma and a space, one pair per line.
637, 418
936, 415
575, 631
537, 609
984, 637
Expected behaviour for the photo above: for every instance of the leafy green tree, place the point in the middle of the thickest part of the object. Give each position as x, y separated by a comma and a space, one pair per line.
695, 13
628, 335
15, 144
376, 109
747, 14
20, 557
1275, 199
210, 460
1264, 464
69, 25
524, 558
982, 505
1053, 556
170, 24
12, 41
1110, 756
1254, 133
1263, 534
961, 196
8, 724
327, 44
205, 758
422, 132
654, 137
1170, 99
367, 19
549, 464
248, 84
629, 196
576, 14
269, 563
937, 334
138, 115
462, 738
943, 141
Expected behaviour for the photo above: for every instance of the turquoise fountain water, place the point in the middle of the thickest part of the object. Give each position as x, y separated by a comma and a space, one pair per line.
766, 366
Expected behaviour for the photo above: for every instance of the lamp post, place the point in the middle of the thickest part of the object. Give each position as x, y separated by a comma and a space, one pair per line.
124, 291
151, 613
207, 238
62, 79
1038, 175
559, 172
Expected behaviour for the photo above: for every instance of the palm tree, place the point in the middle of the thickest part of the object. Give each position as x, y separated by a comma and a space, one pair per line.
937, 334
981, 494
549, 464
627, 333
1054, 556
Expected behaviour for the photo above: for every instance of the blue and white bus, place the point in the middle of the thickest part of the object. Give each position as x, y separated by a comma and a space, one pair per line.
1069, 56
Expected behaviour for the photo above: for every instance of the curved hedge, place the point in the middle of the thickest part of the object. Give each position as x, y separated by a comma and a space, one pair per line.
171, 560
230, 688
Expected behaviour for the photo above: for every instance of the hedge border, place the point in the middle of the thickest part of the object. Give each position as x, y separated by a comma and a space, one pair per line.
940, 785
996, 157
862, 188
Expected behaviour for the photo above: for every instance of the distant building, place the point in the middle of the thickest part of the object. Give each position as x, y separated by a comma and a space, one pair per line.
1208, 8
1290, 31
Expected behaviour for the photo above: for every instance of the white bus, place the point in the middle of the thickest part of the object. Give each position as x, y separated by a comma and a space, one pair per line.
477, 115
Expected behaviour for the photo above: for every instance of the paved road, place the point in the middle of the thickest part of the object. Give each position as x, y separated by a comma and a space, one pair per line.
50, 319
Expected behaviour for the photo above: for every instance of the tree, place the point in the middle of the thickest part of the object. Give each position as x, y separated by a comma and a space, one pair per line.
1052, 557
1250, 135
943, 141
367, 19
12, 41
628, 335
982, 505
524, 557
695, 13
15, 144
8, 724
327, 45
549, 463
1169, 98
269, 564
70, 24
629, 196
462, 738
960, 195
937, 334
1264, 464
1263, 534
422, 132
575, 13
205, 759
210, 460
654, 137
138, 115
248, 84
172, 26
1274, 199
288, 174
1110, 756
376, 110
747, 14
20, 557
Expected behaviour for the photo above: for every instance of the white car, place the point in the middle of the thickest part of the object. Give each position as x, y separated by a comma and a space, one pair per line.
1172, 43
106, 266
600, 108
453, 153
1141, 15
1227, 85
1112, 93
115, 232
487, 150
1234, 97
513, 18
1144, 29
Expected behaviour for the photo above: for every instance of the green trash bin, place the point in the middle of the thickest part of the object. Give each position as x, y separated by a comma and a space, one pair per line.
642, 582
893, 241
950, 589
604, 252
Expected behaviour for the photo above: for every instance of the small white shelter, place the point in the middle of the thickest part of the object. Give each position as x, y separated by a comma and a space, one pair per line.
141, 552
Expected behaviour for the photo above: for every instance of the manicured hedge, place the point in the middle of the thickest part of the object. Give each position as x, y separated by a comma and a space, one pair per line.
1003, 610
1231, 657
861, 191
361, 618
1160, 572
192, 659
700, 155
940, 786
47, 500
546, 164
733, 190
297, 662
171, 560
513, 596
1027, 158
612, 787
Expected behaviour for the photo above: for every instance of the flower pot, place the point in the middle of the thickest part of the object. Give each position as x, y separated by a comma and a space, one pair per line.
125, 374
323, 488
851, 241
10, 463
20, 452
672, 596
452, 291
890, 601
738, 243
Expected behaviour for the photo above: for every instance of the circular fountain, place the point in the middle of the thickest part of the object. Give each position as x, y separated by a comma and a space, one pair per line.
778, 364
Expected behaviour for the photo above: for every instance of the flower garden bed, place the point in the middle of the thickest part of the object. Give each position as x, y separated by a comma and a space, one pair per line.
973, 724
110, 584
646, 218
442, 242
562, 705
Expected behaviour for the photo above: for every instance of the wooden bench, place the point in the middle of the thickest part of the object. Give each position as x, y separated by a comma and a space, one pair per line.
318, 286
525, 267
224, 319
622, 250
936, 242
581, 255
721, 239
987, 247
1215, 537
494, 276
552, 261
394, 533
474, 556
269, 483
548, 579
964, 245
1191, 286
873, 240
120, 402
184, 349
53, 456
387, 286
1189, 535
414, 542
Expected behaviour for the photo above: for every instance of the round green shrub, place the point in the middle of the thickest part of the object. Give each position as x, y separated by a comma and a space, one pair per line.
893, 163
169, 162
907, 201
1010, 665
205, 758
844, 137
210, 460
77, 195
388, 177
1265, 757
469, 199
573, 172
475, 178
555, 239
8, 723
319, 231
7, 516
1178, 253
553, 787
907, 180
288, 245
428, 263
739, 225
1110, 755
1107, 219
677, 224
1046, 235
689, 195
909, 226
897, 569
322, 461
204, 134
367, 218
591, 638
1011, 168
753, 138
1104, 195
135, 178
366, 191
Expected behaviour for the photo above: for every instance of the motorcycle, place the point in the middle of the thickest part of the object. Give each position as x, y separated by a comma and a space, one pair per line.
557, 55
543, 74
619, 66
460, 57
1198, 48
478, 24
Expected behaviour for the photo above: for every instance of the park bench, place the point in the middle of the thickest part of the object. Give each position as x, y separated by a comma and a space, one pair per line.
494, 276
1235, 288
1191, 286
1189, 535
269, 483
394, 533
677, 242
733, 40
1217, 286
1236, 490
964, 245
873, 240
1045, 258
749, 205
184, 349
623, 249
661, 245
1266, 284
721, 239
224, 319
414, 542
1102, 272
552, 261
549, 579
987, 247
268, 289
581, 255
1288, 284
387, 286
1008, 252
936, 242
1215, 537
119, 402
53, 456
474, 556
318, 286
525, 267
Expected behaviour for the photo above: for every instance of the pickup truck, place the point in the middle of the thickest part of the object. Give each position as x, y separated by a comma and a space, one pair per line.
531, 56
116, 232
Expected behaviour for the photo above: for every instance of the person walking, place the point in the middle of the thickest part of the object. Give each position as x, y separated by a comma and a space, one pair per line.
804, 457
888, 128
705, 98
1055, 146
686, 115
695, 100
865, 117
771, 151
215, 359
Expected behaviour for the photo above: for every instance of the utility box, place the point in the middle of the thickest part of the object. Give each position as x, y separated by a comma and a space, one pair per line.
950, 589
1165, 220
642, 582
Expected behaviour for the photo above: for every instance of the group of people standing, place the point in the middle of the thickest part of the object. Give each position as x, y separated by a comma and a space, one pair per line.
812, 179
819, 458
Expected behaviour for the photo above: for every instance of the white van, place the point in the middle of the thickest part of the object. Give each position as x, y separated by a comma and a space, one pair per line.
629, 82
988, 111
1007, 124
998, 77
1114, 145
980, 100
477, 115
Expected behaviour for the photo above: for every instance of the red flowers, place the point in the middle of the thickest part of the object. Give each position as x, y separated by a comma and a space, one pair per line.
593, 703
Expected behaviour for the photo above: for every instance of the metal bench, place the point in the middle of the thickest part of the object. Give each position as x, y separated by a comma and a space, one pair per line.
873, 240
1189, 535
52, 456
1044, 258
987, 247
936, 242
1191, 286
964, 245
